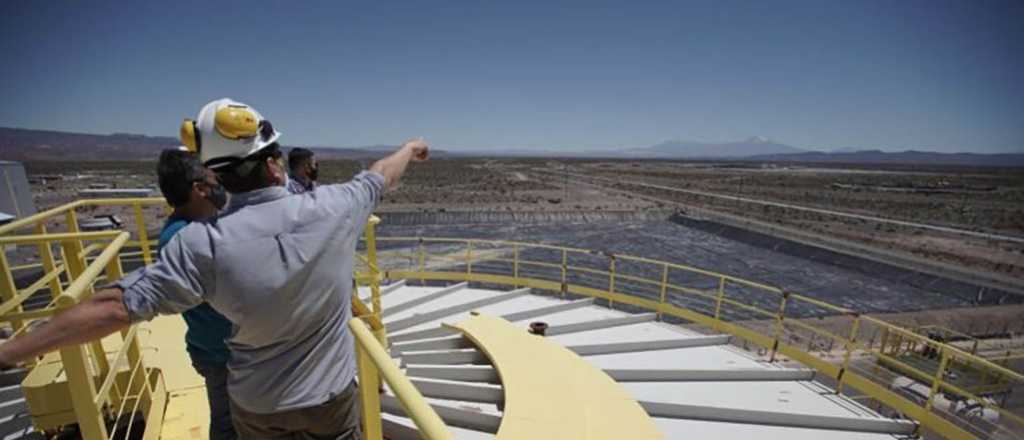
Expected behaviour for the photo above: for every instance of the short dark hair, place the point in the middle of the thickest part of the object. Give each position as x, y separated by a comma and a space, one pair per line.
297, 157
248, 174
175, 173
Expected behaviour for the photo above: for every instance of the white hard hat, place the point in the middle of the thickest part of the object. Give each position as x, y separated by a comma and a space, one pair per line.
226, 132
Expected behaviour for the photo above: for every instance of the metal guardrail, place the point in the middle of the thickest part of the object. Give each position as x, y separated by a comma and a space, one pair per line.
854, 351
373, 361
858, 352
105, 392
71, 281
65, 218
122, 391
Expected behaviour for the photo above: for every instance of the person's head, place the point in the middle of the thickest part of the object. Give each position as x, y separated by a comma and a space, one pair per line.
302, 163
262, 169
238, 144
188, 186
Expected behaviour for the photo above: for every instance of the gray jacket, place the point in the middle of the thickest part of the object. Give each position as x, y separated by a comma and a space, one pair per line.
279, 266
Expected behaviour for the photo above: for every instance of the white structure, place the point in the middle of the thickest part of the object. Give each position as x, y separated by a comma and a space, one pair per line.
15, 192
692, 385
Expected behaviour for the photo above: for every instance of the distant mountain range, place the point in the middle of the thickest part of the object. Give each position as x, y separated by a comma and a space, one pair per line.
683, 149
22, 144
899, 157
765, 150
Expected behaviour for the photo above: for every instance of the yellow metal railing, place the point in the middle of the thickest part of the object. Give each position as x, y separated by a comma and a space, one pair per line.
126, 386
108, 391
105, 390
65, 218
856, 352
374, 363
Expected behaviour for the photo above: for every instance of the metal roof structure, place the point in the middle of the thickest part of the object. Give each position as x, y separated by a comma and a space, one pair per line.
693, 385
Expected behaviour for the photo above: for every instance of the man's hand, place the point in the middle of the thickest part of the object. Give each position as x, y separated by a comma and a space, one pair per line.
418, 148
393, 166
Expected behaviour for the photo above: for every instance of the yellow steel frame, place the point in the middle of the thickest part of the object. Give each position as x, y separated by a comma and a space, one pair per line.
93, 387
86, 364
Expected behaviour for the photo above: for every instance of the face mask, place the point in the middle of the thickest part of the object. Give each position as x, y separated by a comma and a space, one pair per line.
217, 196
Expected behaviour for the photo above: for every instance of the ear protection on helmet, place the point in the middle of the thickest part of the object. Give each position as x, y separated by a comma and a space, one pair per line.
236, 122
233, 122
189, 135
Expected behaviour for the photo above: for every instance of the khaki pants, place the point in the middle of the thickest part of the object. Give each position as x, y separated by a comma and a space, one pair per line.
337, 419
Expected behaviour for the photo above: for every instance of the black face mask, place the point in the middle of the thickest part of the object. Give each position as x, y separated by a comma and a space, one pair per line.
218, 196
314, 173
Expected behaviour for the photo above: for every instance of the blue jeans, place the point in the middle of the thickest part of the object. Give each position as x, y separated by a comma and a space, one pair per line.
216, 376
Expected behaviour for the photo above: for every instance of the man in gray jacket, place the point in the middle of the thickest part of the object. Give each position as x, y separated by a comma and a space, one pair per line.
279, 266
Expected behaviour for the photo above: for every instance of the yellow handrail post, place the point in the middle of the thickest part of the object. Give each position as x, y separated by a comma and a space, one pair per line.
140, 224
777, 333
375, 276
430, 425
73, 259
897, 344
369, 393
423, 260
82, 387
939, 374
515, 264
371, 257
883, 341
718, 302
664, 289
850, 343
8, 290
114, 270
83, 391
75, 262
565, 267
134, 353
46, 255
72, 252
611, 280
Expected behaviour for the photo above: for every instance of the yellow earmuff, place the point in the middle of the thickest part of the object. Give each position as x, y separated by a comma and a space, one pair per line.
189, 136
236, 122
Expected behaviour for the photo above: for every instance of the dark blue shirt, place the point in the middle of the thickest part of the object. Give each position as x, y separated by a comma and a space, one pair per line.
207, 329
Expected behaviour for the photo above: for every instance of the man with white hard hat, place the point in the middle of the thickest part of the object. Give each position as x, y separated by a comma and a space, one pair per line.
279, 266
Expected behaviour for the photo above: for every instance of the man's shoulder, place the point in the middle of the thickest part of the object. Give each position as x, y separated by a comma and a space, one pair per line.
294, 186
368, 179
193, 235
170, 229
173, 224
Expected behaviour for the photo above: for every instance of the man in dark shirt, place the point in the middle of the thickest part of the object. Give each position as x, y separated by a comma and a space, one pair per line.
195, 194
303, 171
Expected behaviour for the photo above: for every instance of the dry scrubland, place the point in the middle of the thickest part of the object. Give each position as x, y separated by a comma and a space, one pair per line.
979, 199
976, 199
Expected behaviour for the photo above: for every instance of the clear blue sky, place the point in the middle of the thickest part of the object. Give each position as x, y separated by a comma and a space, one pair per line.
941, 75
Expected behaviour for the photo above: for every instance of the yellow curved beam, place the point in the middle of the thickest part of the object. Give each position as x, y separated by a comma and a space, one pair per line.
551, 392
